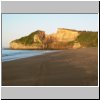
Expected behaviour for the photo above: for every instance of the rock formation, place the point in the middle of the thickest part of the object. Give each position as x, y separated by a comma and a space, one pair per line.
62, 39
66, 35
32, 41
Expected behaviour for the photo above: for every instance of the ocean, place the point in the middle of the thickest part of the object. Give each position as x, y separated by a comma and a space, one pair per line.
9, 55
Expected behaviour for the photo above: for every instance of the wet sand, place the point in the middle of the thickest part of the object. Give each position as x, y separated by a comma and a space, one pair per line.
63, 68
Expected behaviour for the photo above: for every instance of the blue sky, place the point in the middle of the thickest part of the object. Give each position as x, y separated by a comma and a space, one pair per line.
17, 25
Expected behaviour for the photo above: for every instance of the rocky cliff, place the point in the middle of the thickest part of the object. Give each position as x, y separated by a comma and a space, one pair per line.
32, 41
65, 35
62, 39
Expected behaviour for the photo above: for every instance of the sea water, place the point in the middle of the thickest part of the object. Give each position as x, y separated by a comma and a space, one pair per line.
8, 55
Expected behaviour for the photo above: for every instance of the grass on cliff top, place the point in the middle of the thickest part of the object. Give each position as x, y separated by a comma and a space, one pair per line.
27, 40
88, 39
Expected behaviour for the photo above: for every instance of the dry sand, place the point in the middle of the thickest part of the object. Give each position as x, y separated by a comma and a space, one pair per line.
64, 68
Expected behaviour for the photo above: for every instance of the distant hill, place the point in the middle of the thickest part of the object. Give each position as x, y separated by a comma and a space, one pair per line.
62, 39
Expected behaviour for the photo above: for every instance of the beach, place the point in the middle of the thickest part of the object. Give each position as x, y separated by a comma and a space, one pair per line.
78, 67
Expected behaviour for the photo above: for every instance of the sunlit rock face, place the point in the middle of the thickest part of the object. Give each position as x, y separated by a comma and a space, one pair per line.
39, 37
39, 40
76, 45
14, 45
66, 35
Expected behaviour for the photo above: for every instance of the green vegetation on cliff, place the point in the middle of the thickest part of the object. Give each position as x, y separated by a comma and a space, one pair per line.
29, 40
88, 39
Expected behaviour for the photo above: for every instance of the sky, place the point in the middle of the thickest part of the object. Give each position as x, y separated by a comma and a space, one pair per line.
15, 26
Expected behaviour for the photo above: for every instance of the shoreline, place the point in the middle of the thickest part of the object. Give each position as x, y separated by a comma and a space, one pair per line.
78, 67
26, 54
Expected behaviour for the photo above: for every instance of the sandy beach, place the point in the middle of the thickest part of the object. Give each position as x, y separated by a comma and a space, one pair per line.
77, 67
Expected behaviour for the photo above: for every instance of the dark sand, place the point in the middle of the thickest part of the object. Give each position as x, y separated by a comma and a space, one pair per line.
64, 68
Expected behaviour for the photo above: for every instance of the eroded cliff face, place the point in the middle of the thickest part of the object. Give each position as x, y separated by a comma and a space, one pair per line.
39, 40
65, 35
32, 41
14, 45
